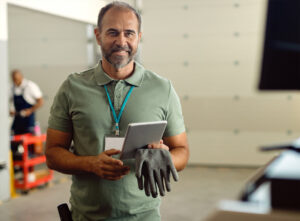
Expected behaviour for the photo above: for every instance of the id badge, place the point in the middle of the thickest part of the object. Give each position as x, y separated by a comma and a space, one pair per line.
113, 142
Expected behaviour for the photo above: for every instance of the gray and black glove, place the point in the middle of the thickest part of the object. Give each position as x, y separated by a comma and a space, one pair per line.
153, 168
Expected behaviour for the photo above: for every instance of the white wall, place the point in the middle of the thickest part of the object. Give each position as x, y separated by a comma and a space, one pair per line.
210, 49
4, 129
81, 10
4, 125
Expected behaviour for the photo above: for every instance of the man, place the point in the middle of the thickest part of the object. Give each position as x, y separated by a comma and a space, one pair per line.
27, 98
104, 187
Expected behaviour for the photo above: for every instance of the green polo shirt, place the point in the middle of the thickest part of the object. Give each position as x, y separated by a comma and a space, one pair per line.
81, 107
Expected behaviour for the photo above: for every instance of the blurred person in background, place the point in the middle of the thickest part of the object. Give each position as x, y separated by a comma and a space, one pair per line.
26, 98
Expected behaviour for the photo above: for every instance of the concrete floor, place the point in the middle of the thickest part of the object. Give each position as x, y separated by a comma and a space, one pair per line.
192, 198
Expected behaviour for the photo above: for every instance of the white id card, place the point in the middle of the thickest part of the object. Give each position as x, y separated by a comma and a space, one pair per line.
114, 143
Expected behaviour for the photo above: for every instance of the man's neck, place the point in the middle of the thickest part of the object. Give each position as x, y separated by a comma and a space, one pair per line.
118, 74
20, 84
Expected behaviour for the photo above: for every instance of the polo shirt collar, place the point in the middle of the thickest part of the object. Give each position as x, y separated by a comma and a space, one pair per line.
135, 79
101, 77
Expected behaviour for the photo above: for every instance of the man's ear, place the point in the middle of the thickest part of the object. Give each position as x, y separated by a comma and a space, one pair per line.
140, 36
97, 35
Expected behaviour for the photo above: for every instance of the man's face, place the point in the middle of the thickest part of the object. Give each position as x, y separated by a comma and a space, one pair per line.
119, 37
17, 78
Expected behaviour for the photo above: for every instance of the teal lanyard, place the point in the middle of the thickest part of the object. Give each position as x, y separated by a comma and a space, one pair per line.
117, 119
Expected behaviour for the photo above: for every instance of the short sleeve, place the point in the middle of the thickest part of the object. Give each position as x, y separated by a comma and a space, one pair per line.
174, 115
59, 113
35, 91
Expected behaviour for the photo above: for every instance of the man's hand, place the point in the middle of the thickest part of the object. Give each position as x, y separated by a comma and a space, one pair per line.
107, 167
26, 112
61, 159
160, 145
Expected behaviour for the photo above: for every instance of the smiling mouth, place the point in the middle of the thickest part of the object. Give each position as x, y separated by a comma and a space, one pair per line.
122, 52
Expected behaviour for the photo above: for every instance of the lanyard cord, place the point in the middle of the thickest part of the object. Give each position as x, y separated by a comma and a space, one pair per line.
117, 119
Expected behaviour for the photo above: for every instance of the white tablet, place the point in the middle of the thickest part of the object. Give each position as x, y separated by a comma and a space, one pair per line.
139, 135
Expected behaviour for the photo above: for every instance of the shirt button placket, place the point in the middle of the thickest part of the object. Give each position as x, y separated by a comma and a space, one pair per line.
118, 96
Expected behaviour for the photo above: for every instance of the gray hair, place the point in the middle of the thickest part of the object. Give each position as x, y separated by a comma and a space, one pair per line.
120, 5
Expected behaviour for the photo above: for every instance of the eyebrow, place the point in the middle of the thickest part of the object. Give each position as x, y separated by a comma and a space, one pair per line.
112, 29
130, 30
116, 30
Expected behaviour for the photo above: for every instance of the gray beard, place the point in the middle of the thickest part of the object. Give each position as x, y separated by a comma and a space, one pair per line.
119, 64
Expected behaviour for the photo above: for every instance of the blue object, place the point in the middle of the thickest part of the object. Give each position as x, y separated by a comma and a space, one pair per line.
21, 124
117, 119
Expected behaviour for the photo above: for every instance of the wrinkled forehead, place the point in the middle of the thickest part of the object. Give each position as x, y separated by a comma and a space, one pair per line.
120, 19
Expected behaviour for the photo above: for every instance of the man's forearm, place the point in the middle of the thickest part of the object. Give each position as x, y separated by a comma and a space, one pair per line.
64, 161
180, 156
38, 104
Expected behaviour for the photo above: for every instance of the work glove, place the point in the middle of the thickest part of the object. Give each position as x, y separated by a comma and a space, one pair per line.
153, 169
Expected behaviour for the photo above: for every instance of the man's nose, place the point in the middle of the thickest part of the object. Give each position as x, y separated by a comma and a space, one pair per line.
121, 40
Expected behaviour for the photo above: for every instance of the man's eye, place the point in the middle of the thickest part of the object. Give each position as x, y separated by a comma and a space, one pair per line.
129, 34
113, 33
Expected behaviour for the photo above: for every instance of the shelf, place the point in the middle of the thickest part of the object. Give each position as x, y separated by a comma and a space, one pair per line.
31, 161
27, 139
27, 163
40, 180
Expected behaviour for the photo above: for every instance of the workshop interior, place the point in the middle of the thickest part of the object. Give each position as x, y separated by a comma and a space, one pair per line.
235, 65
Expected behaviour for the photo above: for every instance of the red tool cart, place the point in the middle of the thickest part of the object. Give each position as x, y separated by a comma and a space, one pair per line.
27, 163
